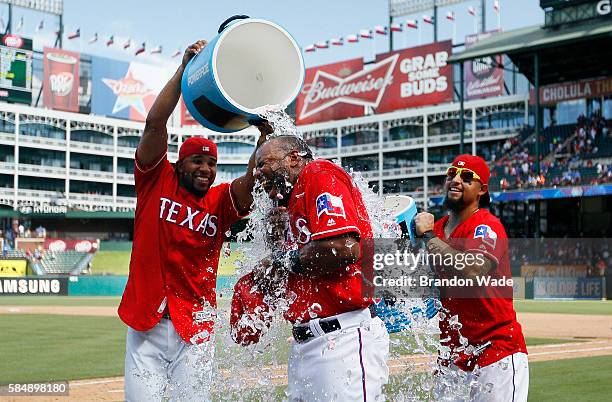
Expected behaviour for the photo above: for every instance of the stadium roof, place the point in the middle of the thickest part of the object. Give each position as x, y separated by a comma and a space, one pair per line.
579, 51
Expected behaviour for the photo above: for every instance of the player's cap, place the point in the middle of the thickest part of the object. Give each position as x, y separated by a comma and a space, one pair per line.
478, 166
197, 146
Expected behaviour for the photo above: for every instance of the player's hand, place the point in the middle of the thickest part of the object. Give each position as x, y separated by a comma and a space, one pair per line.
192, 50
277, 227
265, 129
423, 222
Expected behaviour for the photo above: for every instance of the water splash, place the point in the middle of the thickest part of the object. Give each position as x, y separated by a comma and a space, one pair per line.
257, 371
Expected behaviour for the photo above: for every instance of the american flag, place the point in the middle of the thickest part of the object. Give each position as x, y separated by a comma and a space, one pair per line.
110, 40
352, 38
322, 45
414, 24
337, 42
396, 27
366, 33
381, 30
450, 16
427, 19
140, 50
310, 48
75, 34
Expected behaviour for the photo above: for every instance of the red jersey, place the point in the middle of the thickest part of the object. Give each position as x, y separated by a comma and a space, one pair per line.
490, 317
326, 203
175, 254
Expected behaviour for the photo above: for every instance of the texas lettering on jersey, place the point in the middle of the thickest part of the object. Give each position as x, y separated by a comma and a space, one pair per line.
194, 220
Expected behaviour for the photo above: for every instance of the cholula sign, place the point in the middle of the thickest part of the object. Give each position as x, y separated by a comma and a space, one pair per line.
412, 77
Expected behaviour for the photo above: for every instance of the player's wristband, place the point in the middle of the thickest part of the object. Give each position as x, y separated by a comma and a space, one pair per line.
427, 236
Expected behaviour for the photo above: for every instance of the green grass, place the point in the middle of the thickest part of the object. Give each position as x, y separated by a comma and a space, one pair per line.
583, 379
597, 307
58, 347
59, 301
118, 263
548, 341
111, 262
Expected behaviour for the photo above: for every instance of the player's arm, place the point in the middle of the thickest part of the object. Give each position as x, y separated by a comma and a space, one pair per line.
154, 140
326, 256
242, 187
249, 315
477, 264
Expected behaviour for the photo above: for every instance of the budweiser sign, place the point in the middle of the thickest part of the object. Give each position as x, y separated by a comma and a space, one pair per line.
365, 88
398, 80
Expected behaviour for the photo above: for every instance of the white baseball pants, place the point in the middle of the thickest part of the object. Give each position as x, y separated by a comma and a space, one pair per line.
160, 364
349, 364
506, 380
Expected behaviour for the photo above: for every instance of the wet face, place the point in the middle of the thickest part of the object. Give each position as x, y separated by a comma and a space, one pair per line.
197, 173
462, 191
273, 170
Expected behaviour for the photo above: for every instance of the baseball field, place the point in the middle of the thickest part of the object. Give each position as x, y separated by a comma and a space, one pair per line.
80, 339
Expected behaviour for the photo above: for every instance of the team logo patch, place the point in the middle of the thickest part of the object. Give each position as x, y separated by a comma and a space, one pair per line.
461, 163
205, 149
330, 205
331, 222
487, 235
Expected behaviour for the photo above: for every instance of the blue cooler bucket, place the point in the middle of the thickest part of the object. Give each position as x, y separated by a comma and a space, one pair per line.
251, 63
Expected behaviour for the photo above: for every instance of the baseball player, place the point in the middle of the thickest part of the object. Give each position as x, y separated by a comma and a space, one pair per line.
486, 312
340, 347
181, 219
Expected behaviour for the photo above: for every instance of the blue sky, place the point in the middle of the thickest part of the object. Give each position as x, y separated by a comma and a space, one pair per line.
177, 24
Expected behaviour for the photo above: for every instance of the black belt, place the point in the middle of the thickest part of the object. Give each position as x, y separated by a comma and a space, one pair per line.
303, 333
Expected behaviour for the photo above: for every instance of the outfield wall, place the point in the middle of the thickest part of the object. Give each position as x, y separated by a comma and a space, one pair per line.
113, 285
84, 285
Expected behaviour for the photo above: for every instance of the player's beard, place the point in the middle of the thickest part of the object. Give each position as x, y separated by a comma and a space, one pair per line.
187, 180
279, 180
454, 205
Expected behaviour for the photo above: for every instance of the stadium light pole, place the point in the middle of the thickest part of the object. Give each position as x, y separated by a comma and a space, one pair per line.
538, 128
390, 30
483, 17
461, 112
435, 20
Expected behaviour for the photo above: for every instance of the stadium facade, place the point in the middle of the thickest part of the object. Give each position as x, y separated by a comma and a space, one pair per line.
397, 120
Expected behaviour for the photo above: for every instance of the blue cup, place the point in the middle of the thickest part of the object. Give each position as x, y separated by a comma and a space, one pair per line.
251, 63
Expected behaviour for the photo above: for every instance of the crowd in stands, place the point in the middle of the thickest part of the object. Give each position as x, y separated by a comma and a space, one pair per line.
595, 254
563, 159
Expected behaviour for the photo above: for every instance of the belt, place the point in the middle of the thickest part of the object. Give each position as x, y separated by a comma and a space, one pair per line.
302, 333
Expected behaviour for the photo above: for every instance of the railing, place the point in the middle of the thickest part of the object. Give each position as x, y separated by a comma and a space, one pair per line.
90, 198
408, 142
90, 174
126, 202
8, 167
408, 170
234, 158
77, 146
126, 177
42, 169
41, 141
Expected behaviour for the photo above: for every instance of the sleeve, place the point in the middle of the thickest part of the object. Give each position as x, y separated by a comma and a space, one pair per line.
248, 314
329, 206
227, 210
488, 238
146, 176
